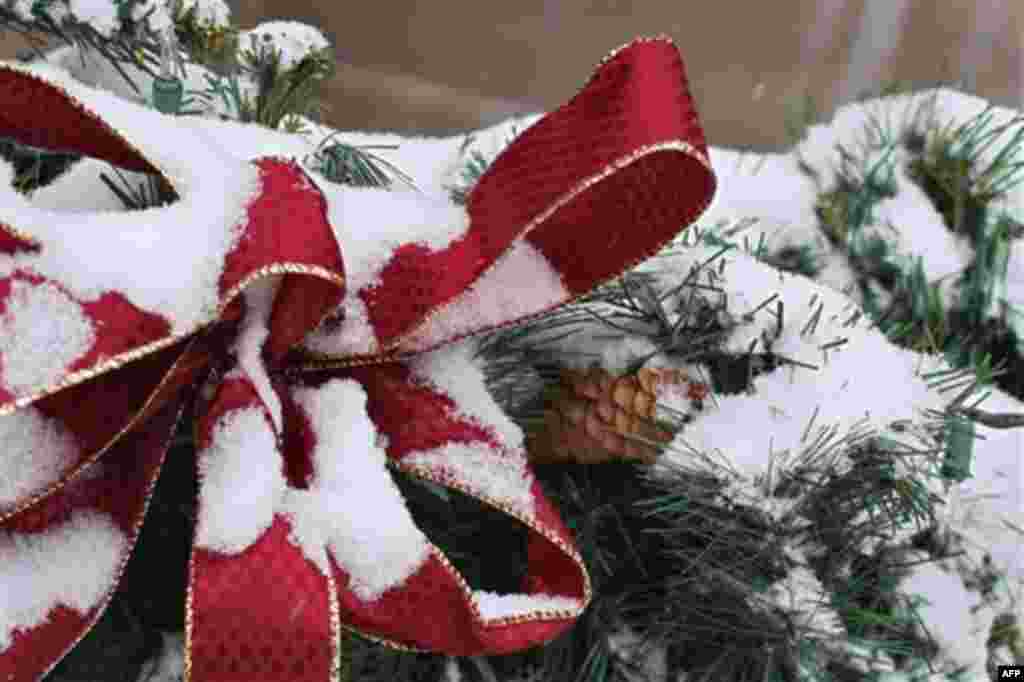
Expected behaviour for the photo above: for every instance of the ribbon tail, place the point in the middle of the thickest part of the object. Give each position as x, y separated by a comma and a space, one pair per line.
465, 443
589, 191
585, 193
61, 561
258, 607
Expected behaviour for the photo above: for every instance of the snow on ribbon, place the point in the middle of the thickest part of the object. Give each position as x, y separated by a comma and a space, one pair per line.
322, 330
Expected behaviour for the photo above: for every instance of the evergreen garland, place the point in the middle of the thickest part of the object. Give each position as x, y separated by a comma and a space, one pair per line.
679, 562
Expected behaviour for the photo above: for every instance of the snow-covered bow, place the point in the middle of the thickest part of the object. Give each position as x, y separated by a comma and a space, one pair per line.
315, 336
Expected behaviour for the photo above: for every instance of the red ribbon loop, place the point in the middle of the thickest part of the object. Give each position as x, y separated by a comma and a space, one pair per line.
300, 531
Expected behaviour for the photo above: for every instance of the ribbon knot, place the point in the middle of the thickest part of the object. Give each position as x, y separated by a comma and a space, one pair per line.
322, 327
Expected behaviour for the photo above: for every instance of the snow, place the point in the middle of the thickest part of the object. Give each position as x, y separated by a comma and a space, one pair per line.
521, 283
35, 451
650, 657
144, 254
42, 333
379, 550
868, 382
169, 664
101, 14
455, 372
23, 9
293, 39
802, 595
259, 301
212, 12
783, 402
369, 223
241, 482
91, 195
73, 564
953, 617
493, 606
500, 477
865, 383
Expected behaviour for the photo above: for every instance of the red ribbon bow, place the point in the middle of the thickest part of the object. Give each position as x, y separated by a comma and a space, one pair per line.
322, 355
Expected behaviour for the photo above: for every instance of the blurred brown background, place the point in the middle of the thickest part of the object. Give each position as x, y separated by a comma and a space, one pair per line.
445, 65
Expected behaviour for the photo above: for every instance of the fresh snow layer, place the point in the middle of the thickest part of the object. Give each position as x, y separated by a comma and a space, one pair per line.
42, 333
294, 40
166, 260
865, 379
241, 482
493, 606
379, 549
72, 565
35, 451
454, 371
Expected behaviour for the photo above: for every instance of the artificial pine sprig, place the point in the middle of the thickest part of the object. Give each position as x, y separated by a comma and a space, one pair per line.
283, 94
33, 167
134, 42
473, 169
210, 44
953, 172
849, 497
966, 169
356, 165
152, 192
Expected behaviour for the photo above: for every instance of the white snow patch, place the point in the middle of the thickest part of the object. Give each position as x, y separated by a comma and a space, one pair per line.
369, 225
35, 451
493, 606
915, 228
293, 39
352, 505
801, 595
73, 564
143, 254
520, 283
259, 301
451, 673
843, 394
100, 14
241, 482
953, 616
212, 12
769, 187
169, 663
81, 190
502, 476
42, 333
456, 373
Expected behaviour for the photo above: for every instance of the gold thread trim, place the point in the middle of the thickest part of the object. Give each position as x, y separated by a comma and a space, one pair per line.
89, 113
582, 186
322, 362
450, 481
90, 460
21, 236
436, 552
136, 354
189, 619
118, 361
337, 645
317, 362
657, 38
132, 541
83, 375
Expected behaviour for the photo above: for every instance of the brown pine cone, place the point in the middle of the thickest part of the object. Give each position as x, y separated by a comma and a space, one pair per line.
592, 416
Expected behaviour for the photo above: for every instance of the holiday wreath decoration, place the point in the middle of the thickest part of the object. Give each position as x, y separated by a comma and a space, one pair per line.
310, 358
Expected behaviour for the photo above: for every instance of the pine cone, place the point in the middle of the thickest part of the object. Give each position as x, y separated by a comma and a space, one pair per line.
592, 416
